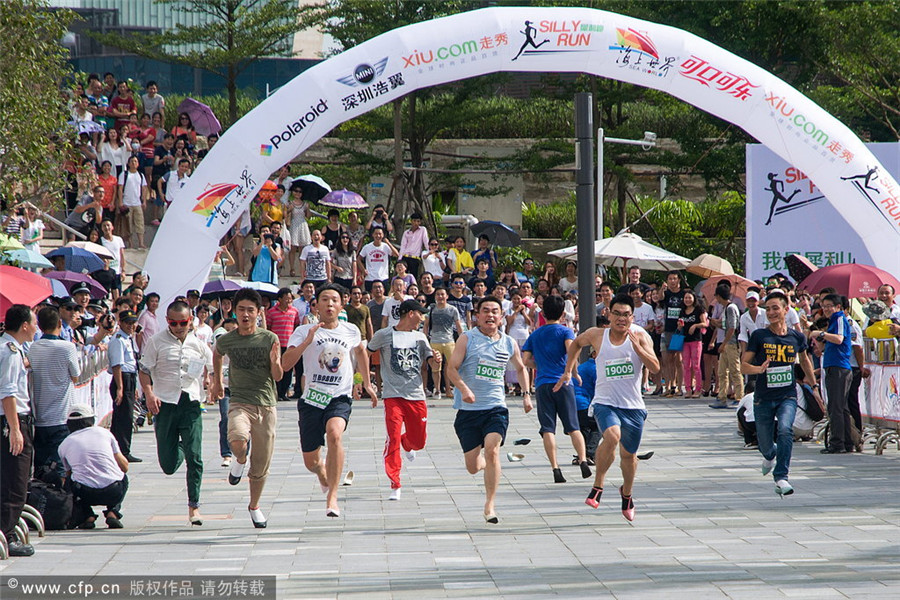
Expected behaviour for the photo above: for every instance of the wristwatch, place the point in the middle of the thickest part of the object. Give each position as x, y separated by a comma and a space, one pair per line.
821, 336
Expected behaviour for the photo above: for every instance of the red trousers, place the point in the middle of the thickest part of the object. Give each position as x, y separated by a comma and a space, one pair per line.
399, 413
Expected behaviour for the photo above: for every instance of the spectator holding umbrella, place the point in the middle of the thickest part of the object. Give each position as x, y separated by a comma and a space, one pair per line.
185, 127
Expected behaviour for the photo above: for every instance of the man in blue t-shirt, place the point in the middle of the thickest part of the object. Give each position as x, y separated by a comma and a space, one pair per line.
772, 354
546, 350
838, 374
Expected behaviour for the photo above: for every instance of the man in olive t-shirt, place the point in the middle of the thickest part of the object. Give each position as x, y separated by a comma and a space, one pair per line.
254, 366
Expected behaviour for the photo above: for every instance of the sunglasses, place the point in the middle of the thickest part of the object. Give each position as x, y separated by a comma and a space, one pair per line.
178, 323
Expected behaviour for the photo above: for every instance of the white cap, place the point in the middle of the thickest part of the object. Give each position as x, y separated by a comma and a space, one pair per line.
752, 296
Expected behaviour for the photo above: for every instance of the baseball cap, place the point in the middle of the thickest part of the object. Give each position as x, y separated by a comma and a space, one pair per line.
127, 315
752, 296
80, 411
80, 287
408, 305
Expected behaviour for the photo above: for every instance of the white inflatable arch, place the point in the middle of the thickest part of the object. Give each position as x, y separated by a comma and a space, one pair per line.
519, 39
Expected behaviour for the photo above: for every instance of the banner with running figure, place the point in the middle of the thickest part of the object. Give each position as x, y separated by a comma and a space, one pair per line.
788, 214
518, 39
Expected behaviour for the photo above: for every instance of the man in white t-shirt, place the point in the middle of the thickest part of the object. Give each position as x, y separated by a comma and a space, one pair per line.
374, 259
133, 192
116, 245
644, 315
390, 312
174, 181
328, 349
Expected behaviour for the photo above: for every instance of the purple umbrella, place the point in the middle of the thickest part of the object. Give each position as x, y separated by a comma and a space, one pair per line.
343, 199
70, 278
219, 288
202, 117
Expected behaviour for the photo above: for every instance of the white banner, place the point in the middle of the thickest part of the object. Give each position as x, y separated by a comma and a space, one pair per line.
788, 214
517, 39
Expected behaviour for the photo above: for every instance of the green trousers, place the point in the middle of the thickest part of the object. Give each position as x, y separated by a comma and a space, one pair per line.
179, 433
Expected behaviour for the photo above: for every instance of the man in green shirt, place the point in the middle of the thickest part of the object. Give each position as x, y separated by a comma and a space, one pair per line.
254, 356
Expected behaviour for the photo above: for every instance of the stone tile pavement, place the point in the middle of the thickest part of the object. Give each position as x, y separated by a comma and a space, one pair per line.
708, 525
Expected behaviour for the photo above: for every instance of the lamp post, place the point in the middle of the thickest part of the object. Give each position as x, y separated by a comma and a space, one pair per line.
649, 141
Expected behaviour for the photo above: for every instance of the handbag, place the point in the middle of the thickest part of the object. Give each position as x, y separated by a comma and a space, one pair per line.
676, 342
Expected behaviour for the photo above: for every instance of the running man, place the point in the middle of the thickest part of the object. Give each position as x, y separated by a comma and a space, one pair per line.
477, 368
329, 349
529, 32
622, 349
770, 355
545, 350
406, 353
254, 356
173, 367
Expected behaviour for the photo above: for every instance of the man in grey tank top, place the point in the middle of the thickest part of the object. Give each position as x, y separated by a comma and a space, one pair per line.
622, 351
477, 369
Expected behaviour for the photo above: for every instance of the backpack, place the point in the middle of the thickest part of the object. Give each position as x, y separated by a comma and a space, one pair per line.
55, 505
813, 409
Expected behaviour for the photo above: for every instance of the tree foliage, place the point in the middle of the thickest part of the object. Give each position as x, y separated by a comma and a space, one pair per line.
36, 139
232, 35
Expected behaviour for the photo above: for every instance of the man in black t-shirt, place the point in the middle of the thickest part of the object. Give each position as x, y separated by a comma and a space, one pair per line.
673, 302
771, 354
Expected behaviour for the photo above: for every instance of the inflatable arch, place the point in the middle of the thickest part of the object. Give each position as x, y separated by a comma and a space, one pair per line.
520, 39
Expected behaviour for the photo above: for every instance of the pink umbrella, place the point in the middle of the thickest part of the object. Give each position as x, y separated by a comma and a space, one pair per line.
850, 279
202, 117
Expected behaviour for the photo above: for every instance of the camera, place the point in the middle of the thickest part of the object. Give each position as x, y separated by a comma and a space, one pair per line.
269, 237
108, 322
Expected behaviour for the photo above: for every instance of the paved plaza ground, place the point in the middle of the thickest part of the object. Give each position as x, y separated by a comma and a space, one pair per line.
708, 524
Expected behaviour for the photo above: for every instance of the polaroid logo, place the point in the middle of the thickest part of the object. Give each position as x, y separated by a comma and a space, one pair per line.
265, 150
292, 129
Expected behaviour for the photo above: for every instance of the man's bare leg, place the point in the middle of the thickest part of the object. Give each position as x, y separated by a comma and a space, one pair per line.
491, 470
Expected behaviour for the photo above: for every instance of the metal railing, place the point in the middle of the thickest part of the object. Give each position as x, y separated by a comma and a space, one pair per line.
92, 363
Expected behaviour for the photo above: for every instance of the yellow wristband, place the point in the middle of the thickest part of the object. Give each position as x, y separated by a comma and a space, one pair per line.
357, 378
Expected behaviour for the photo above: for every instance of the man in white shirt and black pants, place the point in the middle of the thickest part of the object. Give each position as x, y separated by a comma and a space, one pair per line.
173, 367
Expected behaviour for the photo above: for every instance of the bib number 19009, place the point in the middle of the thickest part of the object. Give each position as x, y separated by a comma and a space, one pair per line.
619, 369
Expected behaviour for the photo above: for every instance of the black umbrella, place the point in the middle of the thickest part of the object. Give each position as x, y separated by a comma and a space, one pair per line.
799, 266
314, 187
498, 233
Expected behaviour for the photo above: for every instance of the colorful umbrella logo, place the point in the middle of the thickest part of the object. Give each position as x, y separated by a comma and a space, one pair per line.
209, 201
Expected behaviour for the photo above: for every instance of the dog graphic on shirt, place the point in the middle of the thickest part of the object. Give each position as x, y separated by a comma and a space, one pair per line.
331, 357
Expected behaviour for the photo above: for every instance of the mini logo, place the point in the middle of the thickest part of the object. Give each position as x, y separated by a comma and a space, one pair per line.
364, 74
265, 150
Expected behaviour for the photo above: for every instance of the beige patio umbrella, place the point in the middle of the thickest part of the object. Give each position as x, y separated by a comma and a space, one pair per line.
710, 265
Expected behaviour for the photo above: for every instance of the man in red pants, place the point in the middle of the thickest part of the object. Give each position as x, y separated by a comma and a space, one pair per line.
406, 352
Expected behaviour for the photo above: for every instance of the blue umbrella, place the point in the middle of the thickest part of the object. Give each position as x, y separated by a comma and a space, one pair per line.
59, 288
78, 260
25, 259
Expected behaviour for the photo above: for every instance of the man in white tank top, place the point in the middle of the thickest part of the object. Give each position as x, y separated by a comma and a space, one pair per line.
622, 351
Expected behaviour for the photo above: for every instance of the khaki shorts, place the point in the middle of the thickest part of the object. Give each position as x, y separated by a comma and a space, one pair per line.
135, 218
445, 351
254, 424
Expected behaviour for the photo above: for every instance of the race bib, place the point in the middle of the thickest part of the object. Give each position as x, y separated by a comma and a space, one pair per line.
317, 398
488, 370
619, 368
779, 377
673, 312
